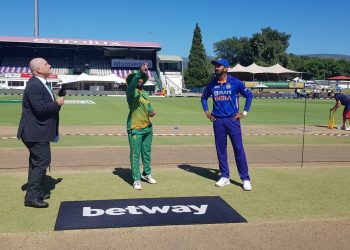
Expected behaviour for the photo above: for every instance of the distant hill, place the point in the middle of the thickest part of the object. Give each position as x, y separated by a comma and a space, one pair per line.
331, 56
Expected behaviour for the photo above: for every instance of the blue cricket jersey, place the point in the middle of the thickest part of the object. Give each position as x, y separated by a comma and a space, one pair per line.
344, 100
225, 97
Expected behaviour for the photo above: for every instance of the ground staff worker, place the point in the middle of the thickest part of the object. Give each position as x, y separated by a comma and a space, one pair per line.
341, 99
225, 116
139, 127
37, 128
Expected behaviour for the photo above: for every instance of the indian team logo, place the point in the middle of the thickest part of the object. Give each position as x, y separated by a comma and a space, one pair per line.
216, 93
228, 86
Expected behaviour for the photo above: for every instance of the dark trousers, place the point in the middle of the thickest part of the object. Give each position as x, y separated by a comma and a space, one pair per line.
232, 128
39, 160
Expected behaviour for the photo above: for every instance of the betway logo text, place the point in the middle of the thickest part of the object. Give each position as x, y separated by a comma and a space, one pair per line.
88, 211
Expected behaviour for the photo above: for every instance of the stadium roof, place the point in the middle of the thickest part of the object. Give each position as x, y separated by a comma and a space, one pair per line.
80, 42
339, 78
169, 58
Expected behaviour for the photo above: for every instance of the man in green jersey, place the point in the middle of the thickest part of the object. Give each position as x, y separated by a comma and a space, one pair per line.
139, 126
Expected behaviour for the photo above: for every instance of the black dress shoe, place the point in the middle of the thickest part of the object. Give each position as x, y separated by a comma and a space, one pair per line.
46, 197
36, 202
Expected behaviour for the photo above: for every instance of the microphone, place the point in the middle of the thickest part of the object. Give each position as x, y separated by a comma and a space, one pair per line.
62, 91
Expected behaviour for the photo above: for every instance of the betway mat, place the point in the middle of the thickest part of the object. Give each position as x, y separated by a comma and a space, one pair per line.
145, 212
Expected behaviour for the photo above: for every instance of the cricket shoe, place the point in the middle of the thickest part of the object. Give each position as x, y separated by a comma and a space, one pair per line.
137, 185
149, 179
347, 129
247, 186
222, 182
342, 128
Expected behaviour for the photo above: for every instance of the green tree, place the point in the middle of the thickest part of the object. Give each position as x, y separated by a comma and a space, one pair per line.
265, 48
235, 50
318, 68
269, 47
197, 72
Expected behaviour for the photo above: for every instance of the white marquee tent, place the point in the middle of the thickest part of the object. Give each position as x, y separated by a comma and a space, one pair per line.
88, 78
238, 68
256, 69
255, 72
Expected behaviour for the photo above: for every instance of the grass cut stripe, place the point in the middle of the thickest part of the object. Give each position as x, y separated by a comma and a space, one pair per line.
278, 194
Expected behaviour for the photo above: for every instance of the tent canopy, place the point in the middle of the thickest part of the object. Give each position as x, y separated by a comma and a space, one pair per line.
87, 78
278, 69
256, 69
339, 78
260, 86
238, 68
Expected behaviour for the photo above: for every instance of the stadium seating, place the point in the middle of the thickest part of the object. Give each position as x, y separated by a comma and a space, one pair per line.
20, 65
123, 73
14, 65
60, 66
100, 67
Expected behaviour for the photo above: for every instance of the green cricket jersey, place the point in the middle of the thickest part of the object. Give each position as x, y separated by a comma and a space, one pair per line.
139, 104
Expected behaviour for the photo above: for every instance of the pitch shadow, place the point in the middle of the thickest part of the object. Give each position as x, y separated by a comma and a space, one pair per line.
49, 184
319, 126
209, 173
125, 174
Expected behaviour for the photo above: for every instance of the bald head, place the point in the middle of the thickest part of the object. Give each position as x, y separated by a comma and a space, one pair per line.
40, 67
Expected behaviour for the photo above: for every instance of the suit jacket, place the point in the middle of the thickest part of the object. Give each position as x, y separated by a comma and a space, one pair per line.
40, 114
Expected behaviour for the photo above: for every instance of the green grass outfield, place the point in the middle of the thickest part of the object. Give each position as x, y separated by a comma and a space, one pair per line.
177, 111
278, 194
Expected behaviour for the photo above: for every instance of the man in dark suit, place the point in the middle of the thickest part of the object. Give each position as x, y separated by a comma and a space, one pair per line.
37, 128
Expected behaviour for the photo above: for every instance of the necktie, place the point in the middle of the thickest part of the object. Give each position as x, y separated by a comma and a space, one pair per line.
48, 85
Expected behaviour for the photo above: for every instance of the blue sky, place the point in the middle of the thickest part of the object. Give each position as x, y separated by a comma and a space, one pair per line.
315, 26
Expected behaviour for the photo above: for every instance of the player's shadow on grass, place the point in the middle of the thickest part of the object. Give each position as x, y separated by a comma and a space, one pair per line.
209, 173
49, 184
125, 174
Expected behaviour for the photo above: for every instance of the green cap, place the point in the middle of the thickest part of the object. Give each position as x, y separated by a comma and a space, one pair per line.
131, 76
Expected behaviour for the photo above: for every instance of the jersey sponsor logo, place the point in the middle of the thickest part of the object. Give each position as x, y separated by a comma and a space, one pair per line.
222, 98
222, 92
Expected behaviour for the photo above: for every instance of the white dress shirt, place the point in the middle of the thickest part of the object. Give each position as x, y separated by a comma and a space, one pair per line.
44, 82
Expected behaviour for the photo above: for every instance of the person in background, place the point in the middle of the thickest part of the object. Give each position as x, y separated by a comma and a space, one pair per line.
226, 117
139, 127
342, 99
37, 128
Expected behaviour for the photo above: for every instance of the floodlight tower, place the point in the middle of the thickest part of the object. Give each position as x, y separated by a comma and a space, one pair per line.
36, 19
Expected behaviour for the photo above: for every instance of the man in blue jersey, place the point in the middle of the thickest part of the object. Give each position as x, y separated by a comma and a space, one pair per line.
226, 116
